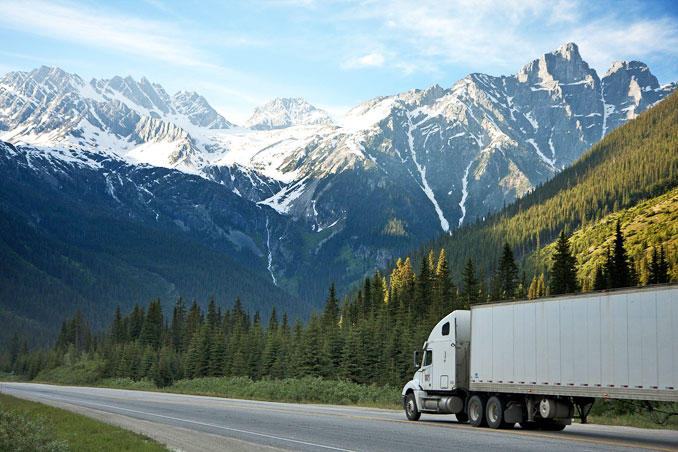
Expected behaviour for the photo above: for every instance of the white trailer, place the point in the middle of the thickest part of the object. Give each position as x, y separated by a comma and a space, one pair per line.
534, 362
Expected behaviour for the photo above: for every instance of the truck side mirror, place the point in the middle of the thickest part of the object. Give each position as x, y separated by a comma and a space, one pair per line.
417, 359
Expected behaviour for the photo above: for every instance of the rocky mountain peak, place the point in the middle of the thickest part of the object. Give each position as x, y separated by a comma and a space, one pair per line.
199, 111
569, 51
625, 71
564, 65
279, 113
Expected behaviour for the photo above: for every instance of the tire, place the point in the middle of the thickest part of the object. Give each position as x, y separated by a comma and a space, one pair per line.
462, 417
411, 410
494, 412
476, 411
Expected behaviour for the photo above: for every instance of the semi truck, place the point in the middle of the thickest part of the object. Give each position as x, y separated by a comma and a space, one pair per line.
539, 363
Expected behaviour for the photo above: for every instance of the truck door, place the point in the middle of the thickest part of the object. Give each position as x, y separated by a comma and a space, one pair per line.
443, 359
427, 369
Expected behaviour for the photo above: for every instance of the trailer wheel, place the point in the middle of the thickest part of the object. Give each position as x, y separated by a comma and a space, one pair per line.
462, 417
495, 412
411, 410
476, 411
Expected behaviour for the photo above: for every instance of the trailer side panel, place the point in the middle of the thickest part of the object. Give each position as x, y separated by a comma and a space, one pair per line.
621, 344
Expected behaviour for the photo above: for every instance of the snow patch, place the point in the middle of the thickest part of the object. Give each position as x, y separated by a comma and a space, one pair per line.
541, 155
535, 124
464, 193
444, 224
282, 200
553, 150
270, 255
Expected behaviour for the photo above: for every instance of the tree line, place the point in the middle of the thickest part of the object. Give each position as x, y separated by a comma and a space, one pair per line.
366, 337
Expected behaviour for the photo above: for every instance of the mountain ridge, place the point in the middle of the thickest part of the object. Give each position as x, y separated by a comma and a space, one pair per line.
279, 113
330, 202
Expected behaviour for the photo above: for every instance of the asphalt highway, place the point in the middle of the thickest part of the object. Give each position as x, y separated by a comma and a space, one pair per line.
185, 422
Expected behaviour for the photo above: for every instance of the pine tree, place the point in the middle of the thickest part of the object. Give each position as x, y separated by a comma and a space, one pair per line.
313, 357
217, 355
178, 325
162, 373
351, 361
443, 290
147, 359
152, 329
422, 301
255, 346
331, 311
213, 318
564, 270
136, 322
272, 349
600, 278
662, 268
532, 292
507, 274
659, 269
470, 286
542, 290
620, 275
366, 306
272, 322
118, 334
194, 321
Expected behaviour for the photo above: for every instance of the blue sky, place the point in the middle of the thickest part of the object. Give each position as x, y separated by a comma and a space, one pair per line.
336, 54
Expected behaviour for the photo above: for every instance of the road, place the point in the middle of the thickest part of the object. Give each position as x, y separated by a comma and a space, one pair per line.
188, 423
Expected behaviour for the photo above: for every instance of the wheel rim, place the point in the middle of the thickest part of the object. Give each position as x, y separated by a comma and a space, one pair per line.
410, 407
492, 412
474, 410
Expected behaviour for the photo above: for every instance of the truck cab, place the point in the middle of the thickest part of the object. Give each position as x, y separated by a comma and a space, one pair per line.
440, 383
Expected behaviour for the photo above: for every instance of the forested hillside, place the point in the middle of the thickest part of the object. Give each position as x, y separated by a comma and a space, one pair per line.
63, 247
649, 227
635, 162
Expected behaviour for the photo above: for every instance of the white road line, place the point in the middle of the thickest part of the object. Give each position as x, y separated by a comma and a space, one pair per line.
205, 424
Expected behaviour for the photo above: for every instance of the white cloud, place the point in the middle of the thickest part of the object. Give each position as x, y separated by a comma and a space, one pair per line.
374, 59
605, 41
502, 35
103, 29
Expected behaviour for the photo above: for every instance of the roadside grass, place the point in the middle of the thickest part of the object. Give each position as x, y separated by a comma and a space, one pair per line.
301, 390
633, 420
38, 427
81, 372
631, 414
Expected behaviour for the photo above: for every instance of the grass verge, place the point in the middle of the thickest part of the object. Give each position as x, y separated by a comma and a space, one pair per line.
45, 428
301, 390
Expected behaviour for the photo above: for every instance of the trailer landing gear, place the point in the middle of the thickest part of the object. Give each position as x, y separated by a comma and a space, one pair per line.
584, 405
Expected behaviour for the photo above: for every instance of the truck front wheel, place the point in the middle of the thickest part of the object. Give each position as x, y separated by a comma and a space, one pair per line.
411, 410
476, 411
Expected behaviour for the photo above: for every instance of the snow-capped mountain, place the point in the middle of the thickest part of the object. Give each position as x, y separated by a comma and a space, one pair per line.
136, 119
395, 171
286, 112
